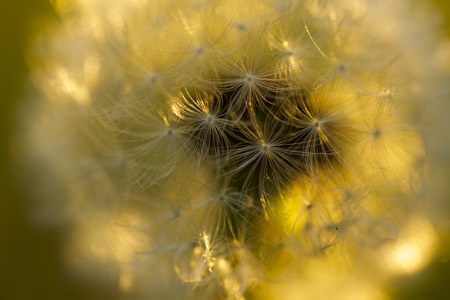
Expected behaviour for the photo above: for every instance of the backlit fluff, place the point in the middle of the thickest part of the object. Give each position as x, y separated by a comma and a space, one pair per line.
234, 146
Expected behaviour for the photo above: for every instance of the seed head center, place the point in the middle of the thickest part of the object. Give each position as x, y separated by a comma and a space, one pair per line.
249, 79
265, 148
376, 133
317, 124
209, 119
241, 26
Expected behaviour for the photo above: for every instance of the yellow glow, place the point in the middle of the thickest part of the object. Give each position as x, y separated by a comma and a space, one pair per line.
302, 200
78, 85
91, 69
78, 91
176, 109
413, 251
207, 252
188, 27
108, 242
358, 9
293, 204
331, 285
62, 6
189, 264
223, 266
125, 280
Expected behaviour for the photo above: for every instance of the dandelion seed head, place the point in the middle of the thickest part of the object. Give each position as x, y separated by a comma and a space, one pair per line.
255, 142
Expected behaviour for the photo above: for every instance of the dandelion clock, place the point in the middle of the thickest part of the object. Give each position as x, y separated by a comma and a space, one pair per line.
225, 149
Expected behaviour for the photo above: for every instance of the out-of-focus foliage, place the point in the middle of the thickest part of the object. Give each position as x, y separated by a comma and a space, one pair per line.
30, 258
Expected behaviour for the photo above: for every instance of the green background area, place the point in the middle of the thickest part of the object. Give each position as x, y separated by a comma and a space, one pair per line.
30, 263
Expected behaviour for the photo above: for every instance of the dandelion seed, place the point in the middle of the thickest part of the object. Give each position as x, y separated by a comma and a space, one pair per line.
324, 133
154, 149
207, 128
312, 222
263, 153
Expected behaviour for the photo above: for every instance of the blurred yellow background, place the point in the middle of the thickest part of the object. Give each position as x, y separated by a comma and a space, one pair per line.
31, 266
